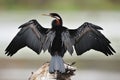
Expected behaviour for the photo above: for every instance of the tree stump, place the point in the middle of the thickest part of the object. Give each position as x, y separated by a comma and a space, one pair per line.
43, 73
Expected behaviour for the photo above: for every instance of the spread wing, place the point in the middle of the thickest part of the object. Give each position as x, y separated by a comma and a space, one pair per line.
87, 37
32, 35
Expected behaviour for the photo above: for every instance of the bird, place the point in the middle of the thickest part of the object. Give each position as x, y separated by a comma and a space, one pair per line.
58, 39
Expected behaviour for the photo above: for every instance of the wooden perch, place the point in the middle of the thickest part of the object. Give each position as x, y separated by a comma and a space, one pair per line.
43, 73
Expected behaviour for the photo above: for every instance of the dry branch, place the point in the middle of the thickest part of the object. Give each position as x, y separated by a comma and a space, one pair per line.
43, 73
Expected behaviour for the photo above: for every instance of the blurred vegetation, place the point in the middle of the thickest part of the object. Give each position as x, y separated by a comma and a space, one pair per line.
60, 4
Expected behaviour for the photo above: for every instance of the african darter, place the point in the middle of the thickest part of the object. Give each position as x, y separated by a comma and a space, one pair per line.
59, 39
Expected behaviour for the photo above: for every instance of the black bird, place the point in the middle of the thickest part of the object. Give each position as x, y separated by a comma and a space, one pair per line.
59, 39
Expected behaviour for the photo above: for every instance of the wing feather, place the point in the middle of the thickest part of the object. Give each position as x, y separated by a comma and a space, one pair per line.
87, 37
67, 41
30, 35
49, 40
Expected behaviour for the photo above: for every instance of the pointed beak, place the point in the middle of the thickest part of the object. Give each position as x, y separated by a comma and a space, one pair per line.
46, 15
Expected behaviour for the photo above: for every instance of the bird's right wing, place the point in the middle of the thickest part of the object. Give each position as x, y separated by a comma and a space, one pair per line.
32, 35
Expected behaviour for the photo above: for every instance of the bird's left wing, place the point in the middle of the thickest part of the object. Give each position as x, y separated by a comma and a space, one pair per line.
87, 37
32, 35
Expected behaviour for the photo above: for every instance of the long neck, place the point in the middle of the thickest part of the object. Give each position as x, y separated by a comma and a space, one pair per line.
57, 22
61, 22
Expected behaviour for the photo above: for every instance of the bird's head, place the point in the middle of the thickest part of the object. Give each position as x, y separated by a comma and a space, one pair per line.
57, 21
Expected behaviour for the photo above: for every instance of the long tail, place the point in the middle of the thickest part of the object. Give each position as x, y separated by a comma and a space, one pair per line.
56, 64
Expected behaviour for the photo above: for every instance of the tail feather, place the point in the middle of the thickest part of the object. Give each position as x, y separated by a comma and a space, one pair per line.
56, 64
